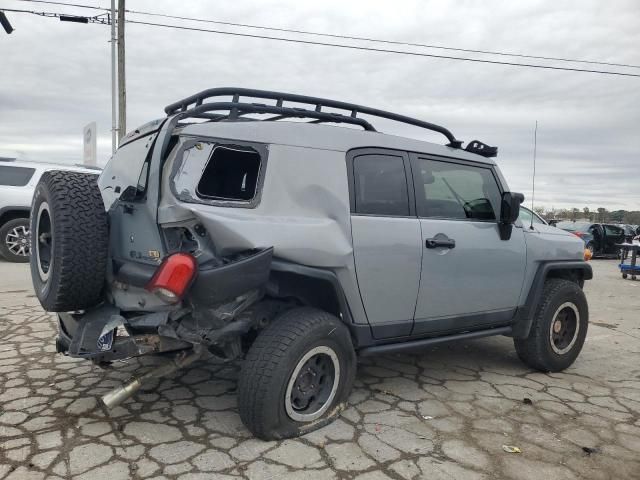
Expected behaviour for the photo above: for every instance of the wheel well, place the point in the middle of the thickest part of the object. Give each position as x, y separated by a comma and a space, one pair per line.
312, 291
12, 215
573, 275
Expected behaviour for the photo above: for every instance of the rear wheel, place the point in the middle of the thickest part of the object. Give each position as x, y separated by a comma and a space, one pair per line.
15, 242
559, 328
69, 238
297, 375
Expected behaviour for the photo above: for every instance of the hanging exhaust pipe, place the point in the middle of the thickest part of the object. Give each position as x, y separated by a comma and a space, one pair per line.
118, 395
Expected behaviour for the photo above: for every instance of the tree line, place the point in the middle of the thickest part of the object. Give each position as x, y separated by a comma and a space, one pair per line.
600, 215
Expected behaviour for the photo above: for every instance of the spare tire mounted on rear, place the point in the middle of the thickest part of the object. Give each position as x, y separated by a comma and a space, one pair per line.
69, 241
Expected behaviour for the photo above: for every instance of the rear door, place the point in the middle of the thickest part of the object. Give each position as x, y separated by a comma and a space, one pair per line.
470, 277
386, 238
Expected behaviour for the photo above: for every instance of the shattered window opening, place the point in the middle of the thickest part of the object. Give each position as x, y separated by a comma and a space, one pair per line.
230, 174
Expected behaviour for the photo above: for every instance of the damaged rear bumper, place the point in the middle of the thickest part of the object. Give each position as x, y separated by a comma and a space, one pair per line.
103, 335
217, 296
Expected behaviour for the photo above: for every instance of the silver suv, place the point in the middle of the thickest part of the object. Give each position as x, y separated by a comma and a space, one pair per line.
17, 183
244, 226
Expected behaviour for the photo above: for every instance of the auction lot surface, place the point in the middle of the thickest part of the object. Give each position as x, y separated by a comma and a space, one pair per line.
443, 414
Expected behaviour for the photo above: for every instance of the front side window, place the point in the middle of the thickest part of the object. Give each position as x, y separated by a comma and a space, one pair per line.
456, 191
380, 185
15, 176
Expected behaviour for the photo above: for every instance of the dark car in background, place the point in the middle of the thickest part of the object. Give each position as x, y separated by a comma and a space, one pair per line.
600, 238
629, 232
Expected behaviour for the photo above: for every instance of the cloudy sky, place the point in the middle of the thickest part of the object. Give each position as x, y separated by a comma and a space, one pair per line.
55, 78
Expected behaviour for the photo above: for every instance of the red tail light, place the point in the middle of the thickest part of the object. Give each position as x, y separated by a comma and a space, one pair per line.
173, 277
578, 234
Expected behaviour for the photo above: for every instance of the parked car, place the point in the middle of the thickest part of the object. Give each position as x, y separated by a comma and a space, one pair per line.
629, 232
17, 183
296, 246
600, 239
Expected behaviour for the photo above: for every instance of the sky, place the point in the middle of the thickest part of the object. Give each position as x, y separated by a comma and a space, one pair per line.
55, 78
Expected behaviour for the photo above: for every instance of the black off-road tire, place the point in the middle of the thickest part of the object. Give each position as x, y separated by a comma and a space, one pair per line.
270, 364
537, 350
5, 231
78, 236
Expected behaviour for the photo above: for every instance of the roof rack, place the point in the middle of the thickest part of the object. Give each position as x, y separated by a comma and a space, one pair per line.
194, 106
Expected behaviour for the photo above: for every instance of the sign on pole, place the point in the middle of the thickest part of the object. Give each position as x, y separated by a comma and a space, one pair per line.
89, 135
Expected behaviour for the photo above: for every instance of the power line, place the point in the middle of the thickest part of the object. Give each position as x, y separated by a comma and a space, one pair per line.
382, 50
353, 47
378, 40
348, 37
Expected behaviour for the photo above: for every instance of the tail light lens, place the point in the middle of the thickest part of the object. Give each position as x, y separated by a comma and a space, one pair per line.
173, 277
578, 234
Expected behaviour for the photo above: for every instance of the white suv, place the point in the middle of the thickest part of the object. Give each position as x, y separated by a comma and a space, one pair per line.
17, 183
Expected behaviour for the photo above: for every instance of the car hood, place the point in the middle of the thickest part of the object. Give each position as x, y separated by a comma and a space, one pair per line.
546, 229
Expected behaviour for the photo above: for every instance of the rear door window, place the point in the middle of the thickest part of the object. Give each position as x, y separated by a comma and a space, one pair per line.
380, 185
15, 176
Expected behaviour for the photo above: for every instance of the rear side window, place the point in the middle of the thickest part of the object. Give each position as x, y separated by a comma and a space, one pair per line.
15, 176
230, 174
380, 185
613, 231
456, 191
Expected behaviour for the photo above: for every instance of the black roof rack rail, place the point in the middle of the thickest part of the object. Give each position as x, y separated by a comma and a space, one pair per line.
195, 107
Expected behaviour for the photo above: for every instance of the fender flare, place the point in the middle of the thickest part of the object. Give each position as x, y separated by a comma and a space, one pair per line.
361, 333
525, 314
10, 209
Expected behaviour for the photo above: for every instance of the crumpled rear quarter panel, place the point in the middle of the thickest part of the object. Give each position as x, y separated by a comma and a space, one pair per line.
303, 210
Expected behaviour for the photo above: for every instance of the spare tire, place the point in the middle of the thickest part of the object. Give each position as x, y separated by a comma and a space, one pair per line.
69, 241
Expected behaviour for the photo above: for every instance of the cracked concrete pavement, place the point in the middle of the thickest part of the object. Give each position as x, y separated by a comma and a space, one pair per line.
442, 414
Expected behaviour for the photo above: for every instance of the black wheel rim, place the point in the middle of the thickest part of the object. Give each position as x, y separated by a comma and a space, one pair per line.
312, 385
43, 240
564, 329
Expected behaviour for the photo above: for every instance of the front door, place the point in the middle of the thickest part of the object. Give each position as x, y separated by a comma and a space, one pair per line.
386, 239
613, 235
470, 277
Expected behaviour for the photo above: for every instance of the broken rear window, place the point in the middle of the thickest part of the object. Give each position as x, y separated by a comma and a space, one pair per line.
230, 174
219, 173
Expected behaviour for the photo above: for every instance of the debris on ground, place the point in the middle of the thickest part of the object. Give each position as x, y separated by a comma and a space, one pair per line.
527, 401
427, 417
511, 449
590, 450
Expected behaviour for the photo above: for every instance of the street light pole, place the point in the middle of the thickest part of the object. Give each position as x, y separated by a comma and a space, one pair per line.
122, 90
114, 129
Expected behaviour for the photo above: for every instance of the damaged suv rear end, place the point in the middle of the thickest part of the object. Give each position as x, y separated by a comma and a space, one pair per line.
171, 252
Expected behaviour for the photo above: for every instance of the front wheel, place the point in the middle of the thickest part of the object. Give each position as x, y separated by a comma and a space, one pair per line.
297, 375
559, 328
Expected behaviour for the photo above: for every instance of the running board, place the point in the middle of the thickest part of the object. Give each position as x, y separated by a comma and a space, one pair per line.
426, 342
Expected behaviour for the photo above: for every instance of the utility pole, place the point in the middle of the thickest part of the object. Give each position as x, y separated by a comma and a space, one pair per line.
114, 139
122, 89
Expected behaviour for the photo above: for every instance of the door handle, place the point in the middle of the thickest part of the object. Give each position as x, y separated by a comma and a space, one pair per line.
440, 241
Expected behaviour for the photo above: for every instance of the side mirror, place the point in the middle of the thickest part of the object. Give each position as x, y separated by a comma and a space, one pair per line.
509, 211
